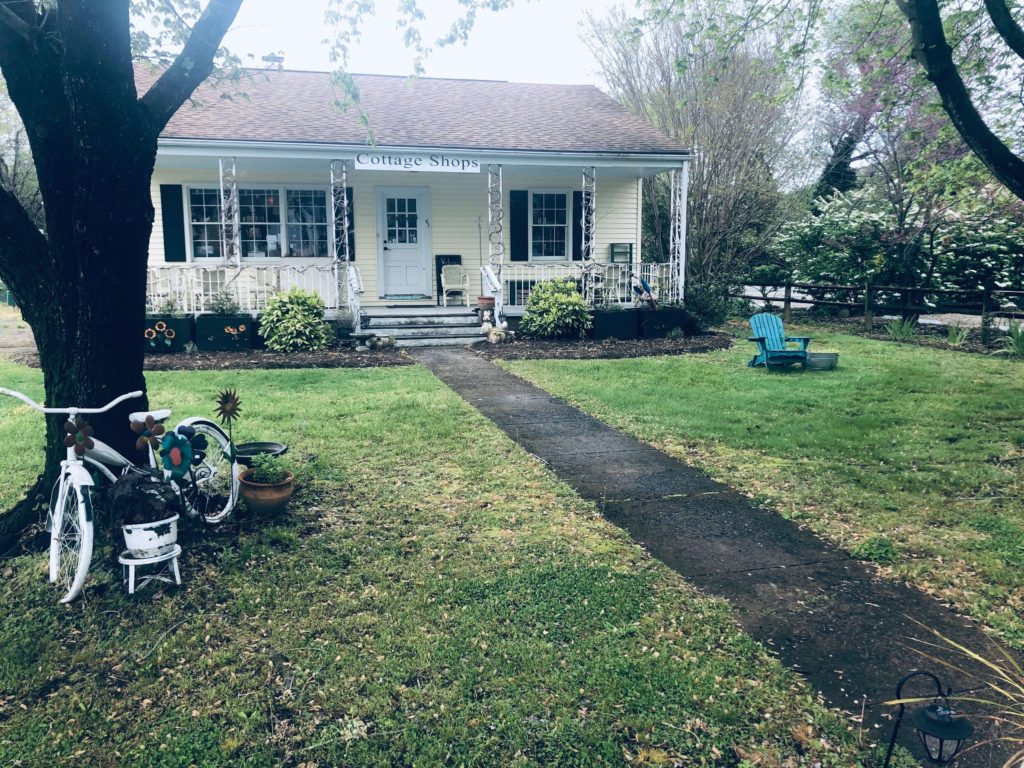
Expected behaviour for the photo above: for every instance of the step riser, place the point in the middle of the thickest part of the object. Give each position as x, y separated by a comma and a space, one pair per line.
449, 342
426, 333
392, 322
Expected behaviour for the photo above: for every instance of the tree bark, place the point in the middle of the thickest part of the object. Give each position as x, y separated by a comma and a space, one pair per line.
933, 52
82, 286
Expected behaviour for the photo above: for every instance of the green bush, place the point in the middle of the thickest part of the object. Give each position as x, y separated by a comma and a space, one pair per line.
294, 322
555, 310
709, 303
1013, 341
901, 330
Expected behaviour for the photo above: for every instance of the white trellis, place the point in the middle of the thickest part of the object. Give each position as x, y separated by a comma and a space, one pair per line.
345, 271
588, 232
230, 226
677, 233
490, 274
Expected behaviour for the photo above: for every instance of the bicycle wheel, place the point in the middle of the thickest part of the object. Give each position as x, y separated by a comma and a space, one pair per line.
71, 538
210, 490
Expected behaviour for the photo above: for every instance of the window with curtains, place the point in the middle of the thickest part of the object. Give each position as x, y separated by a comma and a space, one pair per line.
307, 223
204, 217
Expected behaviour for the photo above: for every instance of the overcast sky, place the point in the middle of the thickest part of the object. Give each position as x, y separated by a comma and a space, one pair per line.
535, 42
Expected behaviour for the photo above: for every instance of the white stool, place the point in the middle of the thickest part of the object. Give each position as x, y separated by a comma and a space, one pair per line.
168, 562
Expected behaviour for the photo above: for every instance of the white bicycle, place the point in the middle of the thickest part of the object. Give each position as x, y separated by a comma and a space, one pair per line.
207, 486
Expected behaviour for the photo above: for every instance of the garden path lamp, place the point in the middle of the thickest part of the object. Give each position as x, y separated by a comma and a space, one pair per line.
941, 731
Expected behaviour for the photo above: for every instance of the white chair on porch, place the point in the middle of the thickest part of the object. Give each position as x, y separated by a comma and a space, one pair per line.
454, 279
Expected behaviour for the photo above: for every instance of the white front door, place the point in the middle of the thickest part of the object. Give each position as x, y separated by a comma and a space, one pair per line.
403, 237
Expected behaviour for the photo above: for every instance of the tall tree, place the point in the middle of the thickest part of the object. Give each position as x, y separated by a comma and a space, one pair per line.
81, 284
933, 51
715, 81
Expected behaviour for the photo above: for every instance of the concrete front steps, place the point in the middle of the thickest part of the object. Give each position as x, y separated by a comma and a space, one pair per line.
425, 326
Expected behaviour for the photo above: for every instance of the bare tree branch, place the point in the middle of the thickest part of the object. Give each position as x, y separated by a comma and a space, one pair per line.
192, 66
933, 52
1006, 26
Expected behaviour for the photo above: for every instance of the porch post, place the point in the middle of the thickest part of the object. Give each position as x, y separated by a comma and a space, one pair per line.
345, 271
588, 232
230, 227
490, 275
677, 233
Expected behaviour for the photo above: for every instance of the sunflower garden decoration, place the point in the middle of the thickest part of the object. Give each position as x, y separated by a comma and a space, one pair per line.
229, 408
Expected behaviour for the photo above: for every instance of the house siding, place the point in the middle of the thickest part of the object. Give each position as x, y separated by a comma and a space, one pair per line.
456, 203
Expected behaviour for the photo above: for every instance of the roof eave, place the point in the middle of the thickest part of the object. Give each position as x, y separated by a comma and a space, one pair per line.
177, 146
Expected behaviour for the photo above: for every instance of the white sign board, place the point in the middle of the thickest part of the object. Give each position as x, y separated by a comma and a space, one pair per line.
433, 163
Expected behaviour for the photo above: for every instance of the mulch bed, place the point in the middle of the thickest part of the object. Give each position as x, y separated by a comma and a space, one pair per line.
608, 349
339, 357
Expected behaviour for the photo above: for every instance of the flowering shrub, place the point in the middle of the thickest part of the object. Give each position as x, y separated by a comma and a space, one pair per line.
294, 322
555, 309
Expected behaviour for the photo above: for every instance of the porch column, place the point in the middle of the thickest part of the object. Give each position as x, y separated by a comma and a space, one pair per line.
677, 233
588, 233
345, 272
490, 275
230, 226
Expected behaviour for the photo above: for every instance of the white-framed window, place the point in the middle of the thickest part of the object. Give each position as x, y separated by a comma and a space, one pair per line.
307, 223
259, 214
274, 222
550, 224
204, 222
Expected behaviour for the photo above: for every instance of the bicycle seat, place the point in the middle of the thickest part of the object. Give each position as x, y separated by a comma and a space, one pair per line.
159, 416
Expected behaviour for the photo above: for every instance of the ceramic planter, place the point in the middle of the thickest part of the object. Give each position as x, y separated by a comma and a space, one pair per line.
614, 324
265, 498
151, 539
167, 333
224, 332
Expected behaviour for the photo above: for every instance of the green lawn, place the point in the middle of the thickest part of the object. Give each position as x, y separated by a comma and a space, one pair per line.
435, 597
907, 456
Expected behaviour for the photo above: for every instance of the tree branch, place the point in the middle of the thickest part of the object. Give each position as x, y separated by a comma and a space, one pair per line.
933, 52
17, 25
24, 266
1006, 26
192, 66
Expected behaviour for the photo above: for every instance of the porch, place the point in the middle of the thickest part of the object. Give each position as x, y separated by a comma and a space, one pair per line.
192, 288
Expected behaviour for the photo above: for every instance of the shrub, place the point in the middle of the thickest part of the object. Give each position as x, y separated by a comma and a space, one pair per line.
555, 309
1013, 341
708, 303
956, 335
294, 322
222, 303
901, 330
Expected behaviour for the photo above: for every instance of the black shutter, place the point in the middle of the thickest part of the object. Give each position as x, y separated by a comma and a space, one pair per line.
518, 225
577, 226
172, 215
351, 224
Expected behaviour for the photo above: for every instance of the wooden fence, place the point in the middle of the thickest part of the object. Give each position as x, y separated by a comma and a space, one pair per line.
869, 300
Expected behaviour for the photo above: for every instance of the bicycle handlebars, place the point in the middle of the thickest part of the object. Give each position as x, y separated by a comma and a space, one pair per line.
68, 411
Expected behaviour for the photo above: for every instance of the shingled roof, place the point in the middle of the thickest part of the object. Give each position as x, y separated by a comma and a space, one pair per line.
293, 106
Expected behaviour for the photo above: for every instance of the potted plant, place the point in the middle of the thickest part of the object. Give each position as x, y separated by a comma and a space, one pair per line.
612, 321
167, 329
147, 510
267, 485
225, 327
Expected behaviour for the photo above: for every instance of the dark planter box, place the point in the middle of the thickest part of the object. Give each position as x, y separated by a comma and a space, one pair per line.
614, 324
224, 332
658, 323
167, 333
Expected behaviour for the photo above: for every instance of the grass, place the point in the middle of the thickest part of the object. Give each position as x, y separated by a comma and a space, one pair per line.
434, 597
907, 456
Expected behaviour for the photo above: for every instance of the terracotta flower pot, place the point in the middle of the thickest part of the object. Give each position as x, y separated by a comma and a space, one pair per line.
265, 498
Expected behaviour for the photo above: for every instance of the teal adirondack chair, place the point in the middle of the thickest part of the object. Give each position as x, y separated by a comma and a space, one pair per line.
772, 344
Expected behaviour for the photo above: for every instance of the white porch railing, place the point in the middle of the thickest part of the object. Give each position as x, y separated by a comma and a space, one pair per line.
190, 288
612, 282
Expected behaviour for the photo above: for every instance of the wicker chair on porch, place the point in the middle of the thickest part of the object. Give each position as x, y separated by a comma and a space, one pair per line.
454, 279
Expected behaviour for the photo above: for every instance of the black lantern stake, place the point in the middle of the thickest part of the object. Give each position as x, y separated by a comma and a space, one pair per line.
941, 732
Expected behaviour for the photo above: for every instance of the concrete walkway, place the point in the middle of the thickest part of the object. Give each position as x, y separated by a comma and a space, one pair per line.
825, 614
